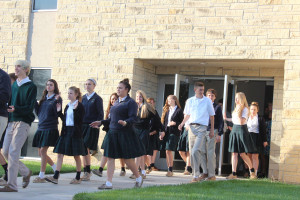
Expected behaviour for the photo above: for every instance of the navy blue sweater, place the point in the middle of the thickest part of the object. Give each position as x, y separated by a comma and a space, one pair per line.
143, 123
93, 109
47, 114
219, 124
125, 110
155, 123
5, 92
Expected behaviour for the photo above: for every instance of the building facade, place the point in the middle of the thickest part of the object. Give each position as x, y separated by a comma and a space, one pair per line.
149, 41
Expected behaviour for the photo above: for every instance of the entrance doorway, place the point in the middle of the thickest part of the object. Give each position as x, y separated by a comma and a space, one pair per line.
255, 89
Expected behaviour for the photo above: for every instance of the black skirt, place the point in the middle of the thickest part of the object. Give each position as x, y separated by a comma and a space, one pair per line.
47, 138
240, 140
170, 141
183, 144
104, 139
154, 144
69, 145
90, 136
143, 135
257, 142
123, 143
2, 139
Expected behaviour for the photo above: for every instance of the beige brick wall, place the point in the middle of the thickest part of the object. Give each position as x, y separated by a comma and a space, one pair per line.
14, 19
105, 39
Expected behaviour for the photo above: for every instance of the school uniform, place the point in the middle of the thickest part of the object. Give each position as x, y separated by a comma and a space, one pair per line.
70, 142
93, 105
183, 143
122, 141
257, 131
239, 138
154, 142
47, 132
172, 132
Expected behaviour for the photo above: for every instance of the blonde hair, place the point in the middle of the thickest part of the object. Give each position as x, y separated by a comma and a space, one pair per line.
24, 64
254, 103
167, 106
146, 107
243, 101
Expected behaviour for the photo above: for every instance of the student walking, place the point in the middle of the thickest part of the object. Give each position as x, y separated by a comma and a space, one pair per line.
183, 149
154, 143
99, 172
21, 107
198, 111
122, 142
141, 127
239, 139
47, 133
93, 105
257, 130
171, 117
209, 164
5, 93
70, 142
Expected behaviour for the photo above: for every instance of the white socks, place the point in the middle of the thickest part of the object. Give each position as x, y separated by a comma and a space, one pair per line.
144, 172
53, 167
42, 175
139, 179
108, 183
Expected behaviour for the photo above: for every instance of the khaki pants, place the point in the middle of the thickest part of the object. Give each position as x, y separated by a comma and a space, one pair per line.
196, 141
16, 135
208, 156
3, 124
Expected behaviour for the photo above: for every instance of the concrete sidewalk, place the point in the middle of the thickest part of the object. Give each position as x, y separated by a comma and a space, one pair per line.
65, 191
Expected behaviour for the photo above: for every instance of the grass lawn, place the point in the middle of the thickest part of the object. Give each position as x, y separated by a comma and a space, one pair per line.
34, 166
235, 189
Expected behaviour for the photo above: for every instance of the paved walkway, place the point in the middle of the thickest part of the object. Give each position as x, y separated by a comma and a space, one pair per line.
65, 191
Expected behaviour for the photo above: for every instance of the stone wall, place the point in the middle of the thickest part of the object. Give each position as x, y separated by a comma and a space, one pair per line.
105, 39
14, 20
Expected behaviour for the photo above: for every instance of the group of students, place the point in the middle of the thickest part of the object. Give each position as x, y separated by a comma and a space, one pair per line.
134, 131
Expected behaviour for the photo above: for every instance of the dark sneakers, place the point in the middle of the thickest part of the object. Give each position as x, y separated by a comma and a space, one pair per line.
7, 189
26, 179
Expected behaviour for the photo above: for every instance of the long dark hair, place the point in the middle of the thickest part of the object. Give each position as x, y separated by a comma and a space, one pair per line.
45, 92
167, 106
110, 105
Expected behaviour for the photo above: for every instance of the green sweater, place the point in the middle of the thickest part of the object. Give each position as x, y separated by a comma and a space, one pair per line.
23, 98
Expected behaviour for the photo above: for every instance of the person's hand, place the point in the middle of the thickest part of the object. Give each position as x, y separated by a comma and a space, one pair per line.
265, 144
152, 133
218, 139
224, 116
11, 109
123, 123
75, 106
230, 128
172, 123
211, 133
95, 124
180, 127
58, 107
57, 97
162, 135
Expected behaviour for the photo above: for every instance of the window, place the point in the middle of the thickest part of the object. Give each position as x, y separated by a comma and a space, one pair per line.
40, 77
44, 5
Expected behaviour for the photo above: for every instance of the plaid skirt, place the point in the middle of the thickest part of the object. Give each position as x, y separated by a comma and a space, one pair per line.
47, 138
240, 140
123, 143
69, 145
90, 136
183, 143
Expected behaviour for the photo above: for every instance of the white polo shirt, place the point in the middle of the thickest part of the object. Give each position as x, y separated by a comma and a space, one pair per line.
199, 109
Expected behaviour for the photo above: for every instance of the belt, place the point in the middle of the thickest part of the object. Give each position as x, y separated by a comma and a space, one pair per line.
197, 124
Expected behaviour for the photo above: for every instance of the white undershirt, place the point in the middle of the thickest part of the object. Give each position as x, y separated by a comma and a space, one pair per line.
70, 114
171, 112
253, 125
25, 80
89, 96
